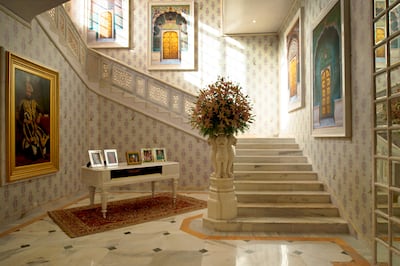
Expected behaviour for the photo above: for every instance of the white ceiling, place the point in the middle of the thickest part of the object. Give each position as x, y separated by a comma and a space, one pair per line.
239, 16
254, 16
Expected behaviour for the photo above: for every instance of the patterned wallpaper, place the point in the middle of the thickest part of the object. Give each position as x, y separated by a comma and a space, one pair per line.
91, 122
344, 164
252, 61
118, 127
18, 198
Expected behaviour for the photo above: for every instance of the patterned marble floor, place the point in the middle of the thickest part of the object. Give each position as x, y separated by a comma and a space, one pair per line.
175, 241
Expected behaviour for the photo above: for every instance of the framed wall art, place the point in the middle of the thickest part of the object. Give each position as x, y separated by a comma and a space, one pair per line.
171, 36
96, 158
293, 40
160, 155
147, 155
108, 24
111, 157
133, 157
331, 102
32, 106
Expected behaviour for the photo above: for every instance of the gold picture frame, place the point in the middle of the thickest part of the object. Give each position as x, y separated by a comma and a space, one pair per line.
133, 157
32, 128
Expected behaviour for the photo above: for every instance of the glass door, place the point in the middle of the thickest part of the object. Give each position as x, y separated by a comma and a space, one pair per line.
386, 99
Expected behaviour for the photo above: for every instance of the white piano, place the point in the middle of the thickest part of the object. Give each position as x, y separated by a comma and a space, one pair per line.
112, 176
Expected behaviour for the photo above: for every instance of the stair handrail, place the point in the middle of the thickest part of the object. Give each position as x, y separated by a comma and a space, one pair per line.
115, 80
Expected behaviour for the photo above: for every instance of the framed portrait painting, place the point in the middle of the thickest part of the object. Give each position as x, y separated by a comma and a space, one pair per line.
32, 103
171, 36
331, 97
293, 39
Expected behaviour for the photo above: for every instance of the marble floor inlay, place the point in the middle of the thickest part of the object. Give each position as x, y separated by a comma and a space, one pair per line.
174, 241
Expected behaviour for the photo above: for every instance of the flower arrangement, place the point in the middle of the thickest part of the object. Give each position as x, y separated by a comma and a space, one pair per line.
221, 108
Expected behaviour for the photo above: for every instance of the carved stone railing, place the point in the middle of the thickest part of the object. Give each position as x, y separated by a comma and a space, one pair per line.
116, 81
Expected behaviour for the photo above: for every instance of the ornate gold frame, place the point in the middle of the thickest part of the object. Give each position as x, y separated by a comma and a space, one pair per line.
22, 160
133, 154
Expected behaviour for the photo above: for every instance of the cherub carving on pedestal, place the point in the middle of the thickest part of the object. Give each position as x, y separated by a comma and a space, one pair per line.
231, 155
222, 155
211, 142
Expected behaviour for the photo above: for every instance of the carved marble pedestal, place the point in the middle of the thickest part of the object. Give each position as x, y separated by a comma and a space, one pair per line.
222, 203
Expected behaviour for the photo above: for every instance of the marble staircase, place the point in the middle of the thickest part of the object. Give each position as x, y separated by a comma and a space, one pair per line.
277, 191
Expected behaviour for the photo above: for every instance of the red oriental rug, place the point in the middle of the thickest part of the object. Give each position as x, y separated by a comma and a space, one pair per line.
80, 221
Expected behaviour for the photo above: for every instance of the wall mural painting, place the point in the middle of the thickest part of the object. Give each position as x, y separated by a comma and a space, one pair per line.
294, 63
171, 36
108, 24
331, 82
32, 115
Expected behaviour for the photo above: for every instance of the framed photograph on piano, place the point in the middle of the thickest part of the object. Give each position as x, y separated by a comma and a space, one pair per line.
111, 157
160, 155
96, 158
147, 155
133, 157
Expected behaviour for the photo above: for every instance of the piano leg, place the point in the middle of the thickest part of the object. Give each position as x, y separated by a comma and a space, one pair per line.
153, 185
92, 190
174, 187
104, 198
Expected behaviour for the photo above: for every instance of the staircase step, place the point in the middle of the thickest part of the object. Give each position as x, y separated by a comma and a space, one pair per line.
287, 210
275, 175
272, 167
332, 225
283, 196
261, 146
263, 185
270, 159
277, 191
268, 152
